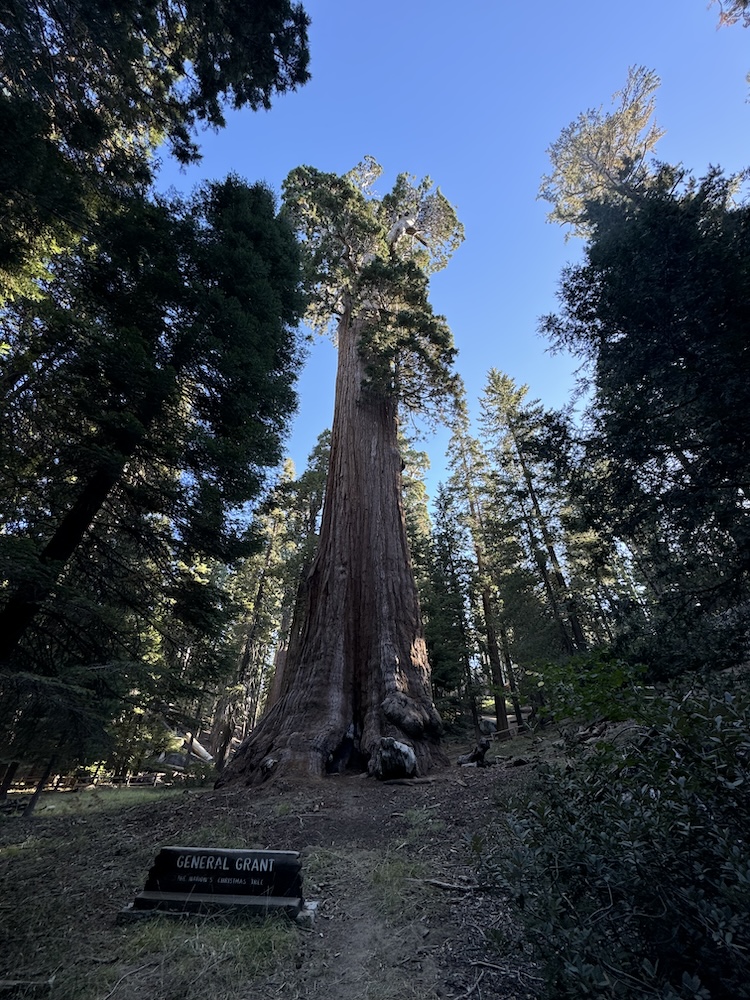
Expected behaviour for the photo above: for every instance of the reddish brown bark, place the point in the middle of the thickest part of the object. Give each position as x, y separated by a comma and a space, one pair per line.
357, 667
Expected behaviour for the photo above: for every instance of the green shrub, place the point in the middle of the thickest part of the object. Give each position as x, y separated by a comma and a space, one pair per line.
591, 686
630, 869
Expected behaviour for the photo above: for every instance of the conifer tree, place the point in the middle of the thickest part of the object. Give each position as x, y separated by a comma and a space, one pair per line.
357, 671
657, 312
509, 425
154, 381
602, 155
451, 640
90, 90
468, 467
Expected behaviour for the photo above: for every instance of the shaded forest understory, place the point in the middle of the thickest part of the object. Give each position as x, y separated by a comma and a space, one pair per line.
555, 871
369, 852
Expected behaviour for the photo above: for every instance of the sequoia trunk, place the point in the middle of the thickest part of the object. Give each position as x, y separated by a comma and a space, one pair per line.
357, 666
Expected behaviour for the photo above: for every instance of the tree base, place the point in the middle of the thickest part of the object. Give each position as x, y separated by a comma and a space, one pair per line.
306, 758
393, 759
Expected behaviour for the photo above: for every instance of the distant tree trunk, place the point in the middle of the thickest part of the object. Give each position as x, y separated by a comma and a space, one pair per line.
604, 616
357, 667
579, 639
471, 695
488, 610
246, 677
291, 612
31, 804
10, 773
512, 680
496, 670
277, 681
222, 729
549, 588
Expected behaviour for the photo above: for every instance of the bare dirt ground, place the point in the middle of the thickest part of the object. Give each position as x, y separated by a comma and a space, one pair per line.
393, 868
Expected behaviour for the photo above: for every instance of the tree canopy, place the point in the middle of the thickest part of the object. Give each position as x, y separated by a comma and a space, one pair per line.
371, 257
145, 393
602, 155
658, 312
90, 89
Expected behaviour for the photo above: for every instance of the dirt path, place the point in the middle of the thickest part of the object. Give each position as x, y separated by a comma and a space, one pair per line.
391, 866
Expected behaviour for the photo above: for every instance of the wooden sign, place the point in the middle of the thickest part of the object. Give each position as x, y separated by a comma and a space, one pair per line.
208, 879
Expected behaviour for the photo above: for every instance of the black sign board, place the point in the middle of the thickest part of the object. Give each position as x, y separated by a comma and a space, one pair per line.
207, 879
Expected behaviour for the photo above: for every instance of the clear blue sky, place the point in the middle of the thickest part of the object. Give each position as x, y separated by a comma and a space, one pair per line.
472, 94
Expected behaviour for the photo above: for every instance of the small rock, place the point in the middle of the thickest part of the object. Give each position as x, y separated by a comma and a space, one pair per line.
306, 916
517, 762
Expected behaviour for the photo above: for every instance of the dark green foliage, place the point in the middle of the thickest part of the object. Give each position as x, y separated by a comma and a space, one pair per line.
90, 88
61, 717
146, 354
591, 686
630, 870
679, 635
146, 392
168, 338
659, 313
408, 349
445, 606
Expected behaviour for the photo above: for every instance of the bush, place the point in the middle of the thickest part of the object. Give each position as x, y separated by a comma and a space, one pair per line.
630, 870
681, 638
591, 686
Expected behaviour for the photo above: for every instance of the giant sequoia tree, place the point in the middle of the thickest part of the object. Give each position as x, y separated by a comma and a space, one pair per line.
357, 668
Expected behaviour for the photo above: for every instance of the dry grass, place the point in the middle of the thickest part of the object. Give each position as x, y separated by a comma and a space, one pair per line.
99, 799
423, 824
399, 889
63, 878
168, 958
383, 931
391, 885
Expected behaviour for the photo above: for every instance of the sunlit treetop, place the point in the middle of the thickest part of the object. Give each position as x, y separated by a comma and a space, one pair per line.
368, 258
346, 229
732, 11
602, 155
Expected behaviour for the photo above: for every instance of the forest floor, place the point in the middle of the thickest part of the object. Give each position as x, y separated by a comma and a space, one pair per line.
402, 914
